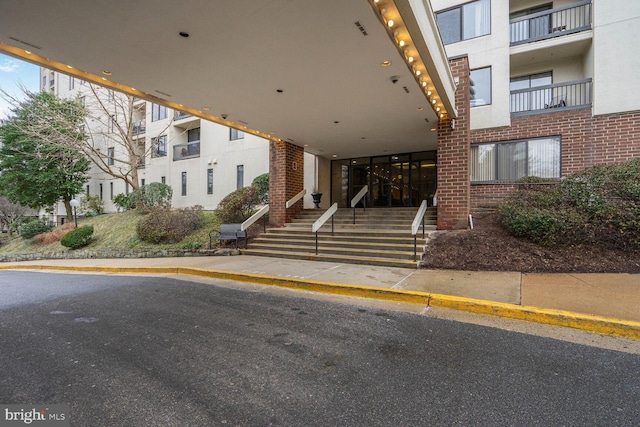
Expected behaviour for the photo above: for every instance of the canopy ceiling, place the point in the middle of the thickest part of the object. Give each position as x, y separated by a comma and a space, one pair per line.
307, 72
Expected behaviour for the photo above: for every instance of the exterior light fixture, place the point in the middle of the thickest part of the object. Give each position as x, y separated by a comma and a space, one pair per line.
390, 23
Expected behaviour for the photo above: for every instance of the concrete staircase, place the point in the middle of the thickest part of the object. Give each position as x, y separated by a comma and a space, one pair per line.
381, 236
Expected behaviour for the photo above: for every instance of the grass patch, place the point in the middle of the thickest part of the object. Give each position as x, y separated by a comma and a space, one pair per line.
118, 231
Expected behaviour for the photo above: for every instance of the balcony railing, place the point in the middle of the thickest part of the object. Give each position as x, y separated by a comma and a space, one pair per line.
177, 115
549, 98
186, 151
139, 127
550, 23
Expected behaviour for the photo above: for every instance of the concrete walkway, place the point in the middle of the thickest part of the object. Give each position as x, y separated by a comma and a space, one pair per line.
602, 303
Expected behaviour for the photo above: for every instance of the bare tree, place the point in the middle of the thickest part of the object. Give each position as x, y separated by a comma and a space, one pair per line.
11, 212
115, 123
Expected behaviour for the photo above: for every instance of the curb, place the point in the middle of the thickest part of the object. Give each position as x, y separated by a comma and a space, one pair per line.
595, 324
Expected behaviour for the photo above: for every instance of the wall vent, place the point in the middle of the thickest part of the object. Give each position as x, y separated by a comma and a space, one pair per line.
163, 93
24, 43
406, 89
361, 28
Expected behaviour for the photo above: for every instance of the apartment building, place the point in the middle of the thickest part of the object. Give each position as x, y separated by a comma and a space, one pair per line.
202, 161
550, 90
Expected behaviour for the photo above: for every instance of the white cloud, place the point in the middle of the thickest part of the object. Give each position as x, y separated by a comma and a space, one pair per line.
9, 66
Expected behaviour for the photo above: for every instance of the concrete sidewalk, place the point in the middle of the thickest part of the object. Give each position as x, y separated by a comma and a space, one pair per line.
603, 303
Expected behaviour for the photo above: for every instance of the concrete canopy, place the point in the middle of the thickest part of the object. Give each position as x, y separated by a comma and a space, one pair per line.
301, 71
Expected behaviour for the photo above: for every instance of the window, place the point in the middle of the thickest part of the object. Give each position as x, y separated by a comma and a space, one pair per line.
44, 82
110, 156
184, 183
72, 82
163, 179
112, 124
239, 176
87, 189
159, 146
480, 86
83, 101
158, 112
193, 135
526, 97
100, 191
508, 161
126, 188
111, 191
465, 22
209, 181
142, 182
235, 134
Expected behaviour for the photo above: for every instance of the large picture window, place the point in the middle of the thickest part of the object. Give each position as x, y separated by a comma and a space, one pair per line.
465, 22
508, 161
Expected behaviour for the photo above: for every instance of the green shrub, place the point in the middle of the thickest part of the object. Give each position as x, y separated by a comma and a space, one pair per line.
154, 195
262, 184
163, 225
33, 227
15, 226
599, 205
78, 238
238, 205
125, 201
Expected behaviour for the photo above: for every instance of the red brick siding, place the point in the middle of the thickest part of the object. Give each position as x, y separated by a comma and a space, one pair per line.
586, 141
453, 156
284, 181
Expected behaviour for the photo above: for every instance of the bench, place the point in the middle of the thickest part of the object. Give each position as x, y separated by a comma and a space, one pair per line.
228, 232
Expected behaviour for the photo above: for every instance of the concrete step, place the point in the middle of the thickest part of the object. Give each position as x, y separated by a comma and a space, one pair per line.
333, 258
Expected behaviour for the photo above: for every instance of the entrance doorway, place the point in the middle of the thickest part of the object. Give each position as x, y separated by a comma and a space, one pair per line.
394, 180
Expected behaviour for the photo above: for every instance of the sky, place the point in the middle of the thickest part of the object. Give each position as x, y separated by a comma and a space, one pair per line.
13, 73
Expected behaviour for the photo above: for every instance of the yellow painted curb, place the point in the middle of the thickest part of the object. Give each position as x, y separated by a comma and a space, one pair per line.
596, 324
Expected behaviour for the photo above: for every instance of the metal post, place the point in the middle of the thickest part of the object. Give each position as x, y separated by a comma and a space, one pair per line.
75, 216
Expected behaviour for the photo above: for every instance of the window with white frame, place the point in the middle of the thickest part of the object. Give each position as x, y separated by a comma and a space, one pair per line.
511, 160
72, 82
158, 112
111, 154
465, 22
480, 86
184, 183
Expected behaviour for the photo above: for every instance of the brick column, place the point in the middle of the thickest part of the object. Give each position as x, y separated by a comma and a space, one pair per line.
453, 156
286, 179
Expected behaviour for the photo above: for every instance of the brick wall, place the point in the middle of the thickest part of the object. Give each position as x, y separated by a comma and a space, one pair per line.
586, 141
286, 179
453, 156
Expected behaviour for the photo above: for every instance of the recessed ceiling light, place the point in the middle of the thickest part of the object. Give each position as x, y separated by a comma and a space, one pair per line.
205, 108
334, 156
385, 63
433, 129
106, 72
69, 67
419, 108
28, 52
183, 34
390, 23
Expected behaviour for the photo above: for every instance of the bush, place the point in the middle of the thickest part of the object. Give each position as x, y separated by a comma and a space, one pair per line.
238, 205
154, 195
78, 238
91, 205
599, 205
163, 225
262, 184
33, 227
125, 201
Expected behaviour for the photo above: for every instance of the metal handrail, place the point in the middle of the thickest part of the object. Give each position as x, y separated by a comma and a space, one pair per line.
322, 220
416, 225
253, 218
356, 199
295, 199
560, 21
550, 98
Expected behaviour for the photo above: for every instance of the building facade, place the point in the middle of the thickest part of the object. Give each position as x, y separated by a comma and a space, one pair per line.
548, 94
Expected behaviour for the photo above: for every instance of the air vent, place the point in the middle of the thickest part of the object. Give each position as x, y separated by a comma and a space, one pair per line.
406, 89
361, 28
24, 42
243, 122
162, 93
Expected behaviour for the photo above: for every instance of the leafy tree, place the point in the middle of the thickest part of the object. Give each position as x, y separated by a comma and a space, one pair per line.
39, 165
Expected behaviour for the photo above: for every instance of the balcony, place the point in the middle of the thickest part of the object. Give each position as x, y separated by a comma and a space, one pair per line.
551, 98
139, 127
189, 150
551, 23
178, 115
